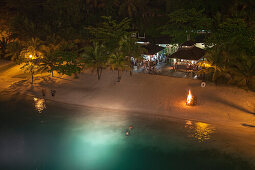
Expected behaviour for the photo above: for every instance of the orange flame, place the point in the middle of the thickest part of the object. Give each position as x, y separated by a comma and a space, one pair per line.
189, 98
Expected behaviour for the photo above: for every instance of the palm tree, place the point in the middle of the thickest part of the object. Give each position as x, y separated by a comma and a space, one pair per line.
4, 41
54, 43
92, 6
48, 61
32, 56
243, 67
110, 32
13, 50
216, 60
128, 8
119, 62
120, 58
95, 57
61, 56
130, 49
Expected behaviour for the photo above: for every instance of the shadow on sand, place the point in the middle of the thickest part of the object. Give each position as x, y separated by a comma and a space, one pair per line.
62, 78
229, 103
248, 125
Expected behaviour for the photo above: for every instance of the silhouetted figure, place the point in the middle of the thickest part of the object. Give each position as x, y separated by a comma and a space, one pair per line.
43, 92
53, 92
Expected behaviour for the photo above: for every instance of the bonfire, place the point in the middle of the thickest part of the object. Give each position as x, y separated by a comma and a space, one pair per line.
191, 100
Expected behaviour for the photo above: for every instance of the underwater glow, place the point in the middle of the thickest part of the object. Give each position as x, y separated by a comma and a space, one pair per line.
95, 140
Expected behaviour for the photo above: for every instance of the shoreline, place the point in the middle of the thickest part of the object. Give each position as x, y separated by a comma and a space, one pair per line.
134, 96
158, 96
233, 134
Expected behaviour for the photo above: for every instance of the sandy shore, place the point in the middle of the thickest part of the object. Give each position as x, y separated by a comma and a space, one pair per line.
145, 93
231, 109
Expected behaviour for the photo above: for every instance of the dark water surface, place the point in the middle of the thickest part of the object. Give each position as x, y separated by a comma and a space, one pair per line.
69, 137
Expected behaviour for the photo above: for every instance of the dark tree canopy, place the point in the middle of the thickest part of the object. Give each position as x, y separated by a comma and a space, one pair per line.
227, 24
67, 18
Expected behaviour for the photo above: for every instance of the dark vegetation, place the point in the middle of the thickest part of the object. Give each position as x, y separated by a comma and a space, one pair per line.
70, 35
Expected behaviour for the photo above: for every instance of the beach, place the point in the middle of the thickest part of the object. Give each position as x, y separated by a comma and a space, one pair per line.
229, 109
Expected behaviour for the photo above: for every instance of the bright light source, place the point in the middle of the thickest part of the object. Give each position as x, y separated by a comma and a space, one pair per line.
30, 56
191, 100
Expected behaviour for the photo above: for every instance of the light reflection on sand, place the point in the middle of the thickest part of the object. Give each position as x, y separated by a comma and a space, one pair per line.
200, 131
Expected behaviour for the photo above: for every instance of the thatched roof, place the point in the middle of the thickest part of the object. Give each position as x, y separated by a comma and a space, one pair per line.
193, 53
160, 40
152, 49
156, 40
188, 43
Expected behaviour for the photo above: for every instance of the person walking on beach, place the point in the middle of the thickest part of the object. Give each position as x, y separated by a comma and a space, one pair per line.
53, 92
43, 92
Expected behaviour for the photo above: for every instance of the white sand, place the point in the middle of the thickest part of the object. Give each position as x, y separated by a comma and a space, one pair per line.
142, 93
157, 95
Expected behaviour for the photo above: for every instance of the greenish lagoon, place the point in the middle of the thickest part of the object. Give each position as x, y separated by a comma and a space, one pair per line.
69, 137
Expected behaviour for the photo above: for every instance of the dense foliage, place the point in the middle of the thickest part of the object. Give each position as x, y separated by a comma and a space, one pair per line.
233, 55
81, 34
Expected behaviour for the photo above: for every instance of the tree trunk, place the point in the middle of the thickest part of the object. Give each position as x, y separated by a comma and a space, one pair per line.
248, 82
32, 78
101, 70
98, 76
131, 68
76, 76
119, 76
99, 73
214, 74
188, 37
52, 74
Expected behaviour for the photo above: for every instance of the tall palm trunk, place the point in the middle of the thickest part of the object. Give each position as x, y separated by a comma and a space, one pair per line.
99, 72
214, 74
131, 69
32, 75
76, 75
248, 81
119, 77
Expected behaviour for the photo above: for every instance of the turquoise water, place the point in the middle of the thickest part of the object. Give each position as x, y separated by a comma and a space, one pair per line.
68, 137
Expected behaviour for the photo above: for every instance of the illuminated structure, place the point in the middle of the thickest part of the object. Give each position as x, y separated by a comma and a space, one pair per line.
187, 55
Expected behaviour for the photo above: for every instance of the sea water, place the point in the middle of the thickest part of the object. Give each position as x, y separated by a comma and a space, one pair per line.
57, 136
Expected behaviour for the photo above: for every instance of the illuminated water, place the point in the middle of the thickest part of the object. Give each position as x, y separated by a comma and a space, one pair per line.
53, 136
